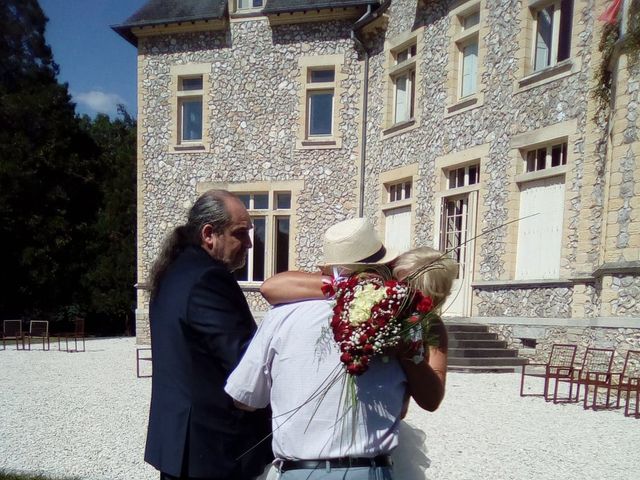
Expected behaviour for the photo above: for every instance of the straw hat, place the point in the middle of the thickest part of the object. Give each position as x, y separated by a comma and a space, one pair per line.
354, 242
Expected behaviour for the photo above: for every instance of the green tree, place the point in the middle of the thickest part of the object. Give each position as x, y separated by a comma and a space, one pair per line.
110, 280
48, 189
67, 189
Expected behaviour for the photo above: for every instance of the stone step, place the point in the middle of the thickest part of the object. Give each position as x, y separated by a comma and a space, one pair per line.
485, 369
472, 347
482, 353
473, 343
486, 361
480, 336
466, 328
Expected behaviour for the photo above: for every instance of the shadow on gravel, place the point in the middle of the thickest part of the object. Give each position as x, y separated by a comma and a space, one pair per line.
25, 476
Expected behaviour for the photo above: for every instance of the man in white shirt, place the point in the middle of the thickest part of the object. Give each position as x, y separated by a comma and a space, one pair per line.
318, 432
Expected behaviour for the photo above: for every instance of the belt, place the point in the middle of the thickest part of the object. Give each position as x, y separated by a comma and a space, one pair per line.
342, 462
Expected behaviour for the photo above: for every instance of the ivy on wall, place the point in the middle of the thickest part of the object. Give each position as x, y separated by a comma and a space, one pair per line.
611, 45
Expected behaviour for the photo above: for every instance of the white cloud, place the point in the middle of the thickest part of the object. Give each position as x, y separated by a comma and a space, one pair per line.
99, 102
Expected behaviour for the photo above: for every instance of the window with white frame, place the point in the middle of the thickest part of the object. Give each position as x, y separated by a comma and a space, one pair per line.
467, 43
546, 157
320, 92
249, 4
541, 211
397, 215
190, 97
463, 176
540, 228
403, 78
399, 191
552, 33
271, 217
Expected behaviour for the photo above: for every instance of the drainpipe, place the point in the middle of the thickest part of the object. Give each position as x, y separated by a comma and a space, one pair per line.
367, 18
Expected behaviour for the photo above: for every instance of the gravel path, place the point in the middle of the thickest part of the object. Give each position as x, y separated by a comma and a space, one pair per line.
84, 415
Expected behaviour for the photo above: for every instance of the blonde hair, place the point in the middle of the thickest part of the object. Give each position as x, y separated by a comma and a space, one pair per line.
428, 270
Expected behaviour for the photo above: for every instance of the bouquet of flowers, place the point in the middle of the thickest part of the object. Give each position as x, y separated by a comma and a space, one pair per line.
372, 315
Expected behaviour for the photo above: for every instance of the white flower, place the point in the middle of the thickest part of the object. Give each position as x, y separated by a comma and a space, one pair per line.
365, 297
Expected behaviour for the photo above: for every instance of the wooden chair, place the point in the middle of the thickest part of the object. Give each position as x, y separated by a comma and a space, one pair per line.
77, 335
38, 329
595, 372
12, 330
558, 367
143, 354
629, 382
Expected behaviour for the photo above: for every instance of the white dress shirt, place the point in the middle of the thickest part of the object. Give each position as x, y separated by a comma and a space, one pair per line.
291, 363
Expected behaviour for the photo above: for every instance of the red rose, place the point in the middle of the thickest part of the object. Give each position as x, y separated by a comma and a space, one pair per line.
425, 304
368, 349
413, 319
346, 357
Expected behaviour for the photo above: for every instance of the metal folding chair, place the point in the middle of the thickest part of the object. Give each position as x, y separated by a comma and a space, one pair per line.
594, 373
12, 330
38, 329
143, 354
77, 336
629, 382
559, 367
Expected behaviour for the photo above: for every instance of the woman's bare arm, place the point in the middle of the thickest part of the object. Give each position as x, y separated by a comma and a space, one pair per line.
288, 287
427, 379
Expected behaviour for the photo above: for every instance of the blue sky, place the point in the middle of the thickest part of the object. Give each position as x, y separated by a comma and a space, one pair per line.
98, 64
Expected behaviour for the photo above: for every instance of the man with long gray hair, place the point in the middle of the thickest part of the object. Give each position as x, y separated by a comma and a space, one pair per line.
200, 327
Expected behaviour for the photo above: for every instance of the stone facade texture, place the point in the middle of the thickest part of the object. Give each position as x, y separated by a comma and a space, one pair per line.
252, 100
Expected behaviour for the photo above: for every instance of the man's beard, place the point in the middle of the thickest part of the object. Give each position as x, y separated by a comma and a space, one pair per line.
238, 262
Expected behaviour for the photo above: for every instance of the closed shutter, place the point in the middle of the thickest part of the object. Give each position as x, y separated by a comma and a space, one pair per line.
398, 229
540, 236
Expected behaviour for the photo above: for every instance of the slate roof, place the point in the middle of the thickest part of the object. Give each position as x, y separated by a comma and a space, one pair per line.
158, 12
287, 6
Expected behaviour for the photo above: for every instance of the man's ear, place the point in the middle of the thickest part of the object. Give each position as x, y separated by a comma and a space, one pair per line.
207, 237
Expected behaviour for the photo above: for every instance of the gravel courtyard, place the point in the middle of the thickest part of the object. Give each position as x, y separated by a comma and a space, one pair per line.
84, 415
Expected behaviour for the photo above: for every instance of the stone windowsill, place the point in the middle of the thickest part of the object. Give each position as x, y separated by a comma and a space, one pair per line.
399, 128
548, 74
318, 144
464, 105
500, 284
189, 147
250, 286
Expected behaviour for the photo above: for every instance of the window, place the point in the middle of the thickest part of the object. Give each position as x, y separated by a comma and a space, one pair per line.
190, 119
399, 191
463, 176
403, 78
320, 93
552, 42
271, 216
467, 45
321, 77
397, 207
190, 94
467, 27
249, 4
546, 157
540, 228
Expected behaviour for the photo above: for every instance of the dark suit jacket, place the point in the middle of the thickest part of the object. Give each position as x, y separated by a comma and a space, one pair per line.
200, 327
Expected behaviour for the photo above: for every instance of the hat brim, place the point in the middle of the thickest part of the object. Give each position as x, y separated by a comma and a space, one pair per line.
389, 256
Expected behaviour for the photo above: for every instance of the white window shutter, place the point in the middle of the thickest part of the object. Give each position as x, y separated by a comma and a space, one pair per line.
398, 229
540, 236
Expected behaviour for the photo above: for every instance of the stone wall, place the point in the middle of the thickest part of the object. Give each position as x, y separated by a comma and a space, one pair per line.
620, 339
253, 104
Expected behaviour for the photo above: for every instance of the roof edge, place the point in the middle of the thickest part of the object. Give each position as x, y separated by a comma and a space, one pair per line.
318, 6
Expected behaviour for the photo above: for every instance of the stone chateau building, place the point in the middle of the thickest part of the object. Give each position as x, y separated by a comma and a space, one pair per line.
469, 126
